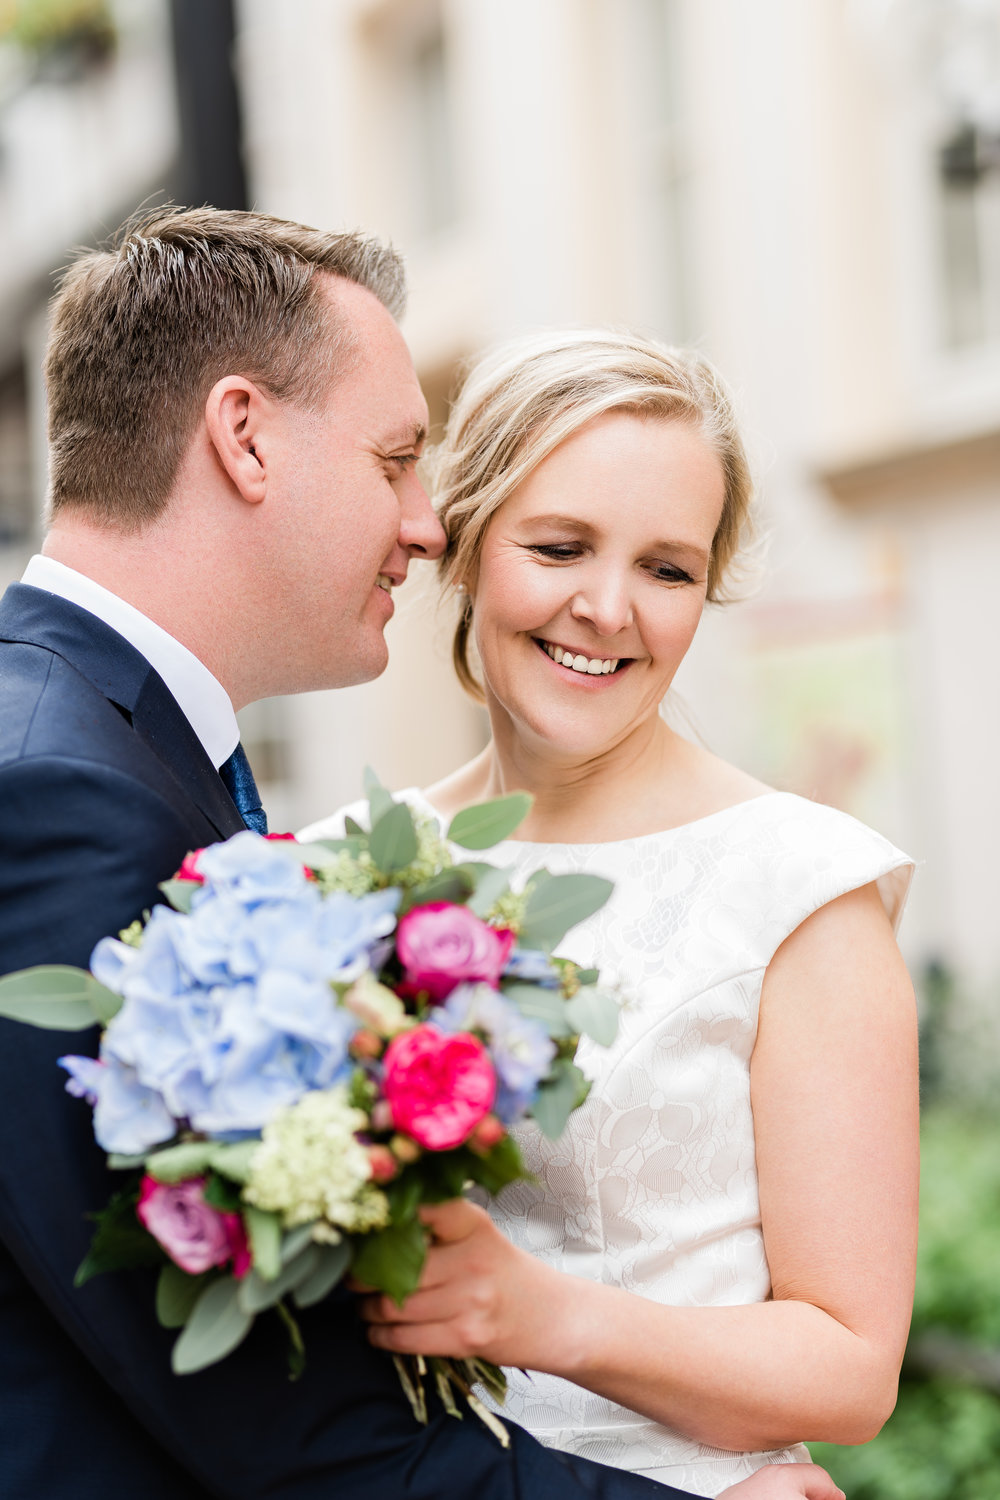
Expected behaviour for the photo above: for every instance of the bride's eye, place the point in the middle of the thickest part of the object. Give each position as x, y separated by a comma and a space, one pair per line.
665, 572
556, 551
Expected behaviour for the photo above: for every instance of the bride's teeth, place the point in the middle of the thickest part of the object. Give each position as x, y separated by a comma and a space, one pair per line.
593, 666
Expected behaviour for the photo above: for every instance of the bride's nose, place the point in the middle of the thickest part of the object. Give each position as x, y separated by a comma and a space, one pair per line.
604, 601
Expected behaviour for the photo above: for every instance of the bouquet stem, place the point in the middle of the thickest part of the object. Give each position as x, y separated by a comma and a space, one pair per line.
453, 1377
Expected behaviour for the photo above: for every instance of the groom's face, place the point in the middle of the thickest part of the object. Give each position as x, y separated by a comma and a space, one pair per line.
352, 513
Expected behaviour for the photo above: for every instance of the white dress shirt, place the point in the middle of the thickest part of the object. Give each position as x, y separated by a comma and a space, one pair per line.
203, 700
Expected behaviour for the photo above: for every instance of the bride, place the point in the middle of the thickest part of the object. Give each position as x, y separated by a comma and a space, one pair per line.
715, 1261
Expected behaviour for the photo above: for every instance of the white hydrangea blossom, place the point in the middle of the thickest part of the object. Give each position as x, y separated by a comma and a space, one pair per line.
309, 1166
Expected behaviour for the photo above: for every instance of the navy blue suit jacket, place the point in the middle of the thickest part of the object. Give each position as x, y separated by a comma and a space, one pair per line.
103, 789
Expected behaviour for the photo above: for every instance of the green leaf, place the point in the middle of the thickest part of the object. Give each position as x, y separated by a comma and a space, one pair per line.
594, 1012
295, 1241
57, 998
119, 1162
404, 1196
333, 1262
264, 1233
235, 1161
216, 1325
499, 1166
176, 1294
353, 828
176, 1163
379, 799
221, 1194
587, 976
557, 903
393, 843
180, 893
323, 854
489, 888
557, 1098
447, 885
120, 1242
392, 1259
487, 823
544, 1005
256, 1294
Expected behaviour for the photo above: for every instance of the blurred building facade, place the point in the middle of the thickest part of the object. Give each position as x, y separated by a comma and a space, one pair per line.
810, 194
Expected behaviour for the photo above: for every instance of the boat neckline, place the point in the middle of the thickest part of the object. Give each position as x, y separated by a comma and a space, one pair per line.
635, 838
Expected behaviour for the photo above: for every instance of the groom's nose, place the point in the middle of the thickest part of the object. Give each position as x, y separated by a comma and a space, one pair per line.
420, 532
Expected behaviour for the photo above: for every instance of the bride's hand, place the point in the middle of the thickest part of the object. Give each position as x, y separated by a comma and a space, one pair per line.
785, 1482
479, 1295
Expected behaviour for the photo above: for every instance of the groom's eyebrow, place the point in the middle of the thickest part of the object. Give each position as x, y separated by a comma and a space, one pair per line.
413, 434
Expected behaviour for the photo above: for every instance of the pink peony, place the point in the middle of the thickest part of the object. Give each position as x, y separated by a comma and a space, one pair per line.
195, 1235
441, 945
438, 1087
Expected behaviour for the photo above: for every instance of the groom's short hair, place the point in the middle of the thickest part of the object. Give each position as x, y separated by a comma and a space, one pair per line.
143, 329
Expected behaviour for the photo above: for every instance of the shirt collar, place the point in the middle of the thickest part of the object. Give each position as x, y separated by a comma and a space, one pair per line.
203, 700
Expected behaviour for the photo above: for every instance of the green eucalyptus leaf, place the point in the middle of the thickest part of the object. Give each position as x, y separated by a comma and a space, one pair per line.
180, 893
222, 1194
264, 1233
557, 1098
594, 1012
393, 842
353, 828
234, 1161
216, 1325
56, 997
544, 1005
189, 1159
119, 1162
334, 1261
587, 976
493, 884
295, 1241
324, 853
447, 885
392, 1259
176, 1294
559, 903
487, 823
379, 799
256, 1294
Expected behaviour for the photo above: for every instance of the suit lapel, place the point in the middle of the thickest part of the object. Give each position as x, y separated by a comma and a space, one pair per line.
124, 676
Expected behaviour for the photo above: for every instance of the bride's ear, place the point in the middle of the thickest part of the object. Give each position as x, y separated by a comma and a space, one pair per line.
234, 416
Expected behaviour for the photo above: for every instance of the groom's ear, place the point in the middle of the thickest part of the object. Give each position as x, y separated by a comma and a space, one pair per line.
234, 411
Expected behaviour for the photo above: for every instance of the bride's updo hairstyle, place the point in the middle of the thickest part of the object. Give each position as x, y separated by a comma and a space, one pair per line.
519, 402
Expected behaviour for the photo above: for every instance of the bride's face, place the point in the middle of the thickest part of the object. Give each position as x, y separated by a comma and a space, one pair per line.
592, 579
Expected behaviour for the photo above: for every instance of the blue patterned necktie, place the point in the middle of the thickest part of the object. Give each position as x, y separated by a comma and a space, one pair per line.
239, 783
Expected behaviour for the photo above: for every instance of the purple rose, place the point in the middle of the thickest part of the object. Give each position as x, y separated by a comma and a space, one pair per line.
193, 1233
441, 945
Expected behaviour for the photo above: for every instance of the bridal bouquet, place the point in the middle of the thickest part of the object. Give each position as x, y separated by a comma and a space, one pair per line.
305, 1045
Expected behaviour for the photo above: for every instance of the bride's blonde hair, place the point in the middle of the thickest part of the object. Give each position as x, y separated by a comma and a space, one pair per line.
521, 400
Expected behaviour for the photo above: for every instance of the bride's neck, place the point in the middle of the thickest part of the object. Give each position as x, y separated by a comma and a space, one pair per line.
577, 799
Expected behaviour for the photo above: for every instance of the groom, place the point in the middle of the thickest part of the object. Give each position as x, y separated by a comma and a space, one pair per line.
234, 426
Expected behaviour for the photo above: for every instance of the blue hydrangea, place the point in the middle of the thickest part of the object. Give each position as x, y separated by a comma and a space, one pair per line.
229, 1014
532, 966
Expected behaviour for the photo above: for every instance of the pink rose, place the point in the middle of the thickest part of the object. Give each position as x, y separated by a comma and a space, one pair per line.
438, 1087
441, 945
193, 1233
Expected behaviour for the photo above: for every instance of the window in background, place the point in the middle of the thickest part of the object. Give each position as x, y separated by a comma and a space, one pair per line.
17, 520
969, 177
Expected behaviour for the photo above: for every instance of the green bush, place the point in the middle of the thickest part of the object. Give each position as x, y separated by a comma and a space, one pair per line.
943, 1441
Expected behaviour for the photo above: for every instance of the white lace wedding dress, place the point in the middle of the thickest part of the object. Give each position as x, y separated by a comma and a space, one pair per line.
653, 1186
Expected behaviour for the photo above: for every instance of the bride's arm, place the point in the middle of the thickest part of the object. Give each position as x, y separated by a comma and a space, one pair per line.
834, 1093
